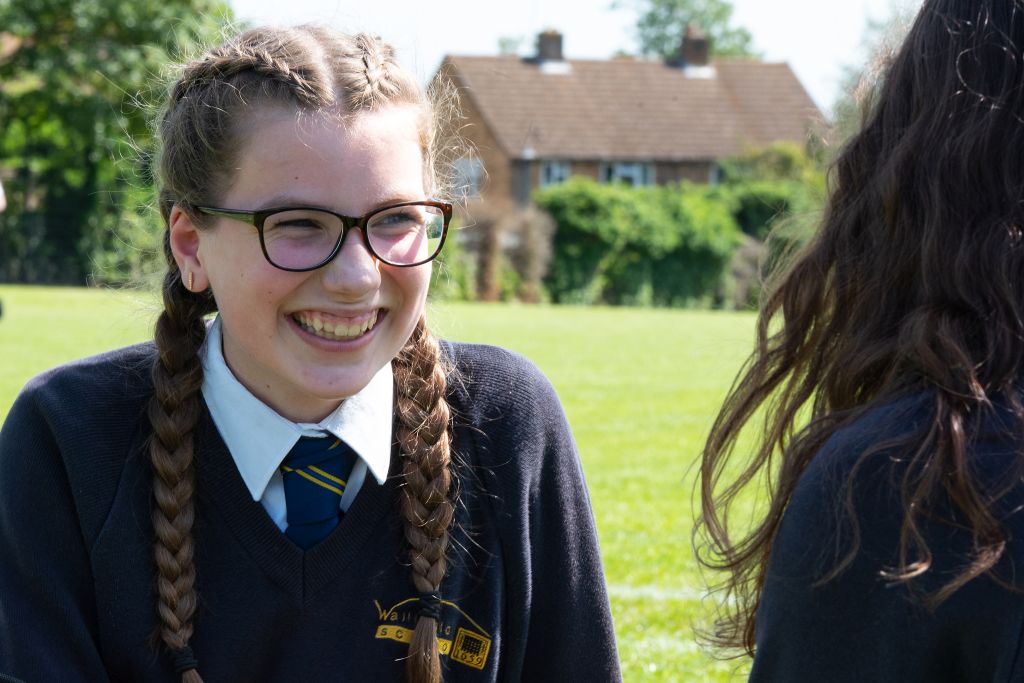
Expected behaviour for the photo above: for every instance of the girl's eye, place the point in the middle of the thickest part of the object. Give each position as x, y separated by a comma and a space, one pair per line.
298, 222
301, 223
393, 219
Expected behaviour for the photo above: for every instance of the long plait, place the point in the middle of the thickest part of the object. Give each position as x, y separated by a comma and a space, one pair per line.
423, 419
173, 413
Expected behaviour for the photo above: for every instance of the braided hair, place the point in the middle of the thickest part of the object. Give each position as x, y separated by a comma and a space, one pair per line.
310, 68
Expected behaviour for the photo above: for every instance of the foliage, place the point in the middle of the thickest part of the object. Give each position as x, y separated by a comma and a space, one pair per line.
859, 84
776, 194
772, 183
531, 255
777, 161
758, 204
507, 250
77, 79
454, 271
665, 245
661, 24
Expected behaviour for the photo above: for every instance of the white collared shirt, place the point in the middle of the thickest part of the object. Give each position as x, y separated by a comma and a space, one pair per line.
259, 438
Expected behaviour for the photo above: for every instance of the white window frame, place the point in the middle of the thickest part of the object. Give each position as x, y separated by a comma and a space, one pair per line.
636, 173
554, 171
714, 174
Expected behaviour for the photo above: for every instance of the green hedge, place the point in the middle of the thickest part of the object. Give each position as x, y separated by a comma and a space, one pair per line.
616, 244
758, 204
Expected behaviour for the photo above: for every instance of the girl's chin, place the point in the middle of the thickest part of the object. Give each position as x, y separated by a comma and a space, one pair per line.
318, 401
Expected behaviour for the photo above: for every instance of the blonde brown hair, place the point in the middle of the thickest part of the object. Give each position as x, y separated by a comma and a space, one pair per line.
312, 69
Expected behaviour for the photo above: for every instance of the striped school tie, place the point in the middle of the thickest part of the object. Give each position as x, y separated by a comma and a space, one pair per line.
315, 472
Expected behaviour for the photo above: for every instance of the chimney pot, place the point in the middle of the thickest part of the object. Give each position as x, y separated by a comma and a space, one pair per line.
695, 49
549, 46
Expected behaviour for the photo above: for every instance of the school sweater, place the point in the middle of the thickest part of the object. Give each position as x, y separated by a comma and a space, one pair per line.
862, 627
524, 596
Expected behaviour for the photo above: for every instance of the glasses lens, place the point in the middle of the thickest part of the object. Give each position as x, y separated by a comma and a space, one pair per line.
300, 238
404, 235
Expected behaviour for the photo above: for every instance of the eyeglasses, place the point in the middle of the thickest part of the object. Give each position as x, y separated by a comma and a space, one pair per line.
300, 239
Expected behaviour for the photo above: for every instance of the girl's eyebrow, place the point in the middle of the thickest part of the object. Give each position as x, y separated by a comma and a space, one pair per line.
284, 200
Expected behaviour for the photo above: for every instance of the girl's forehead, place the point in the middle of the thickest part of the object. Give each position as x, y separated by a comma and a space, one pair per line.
371, 156
400, 121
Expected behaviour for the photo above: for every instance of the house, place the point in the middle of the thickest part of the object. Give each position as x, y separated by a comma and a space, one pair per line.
535, 121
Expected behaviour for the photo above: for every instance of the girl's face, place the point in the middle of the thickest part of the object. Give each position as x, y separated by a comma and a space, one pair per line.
269, 315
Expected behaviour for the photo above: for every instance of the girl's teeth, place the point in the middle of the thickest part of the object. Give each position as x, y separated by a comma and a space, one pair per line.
316, 325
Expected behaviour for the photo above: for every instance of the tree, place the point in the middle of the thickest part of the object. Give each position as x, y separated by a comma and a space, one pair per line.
879, 43
78, 82
661, 24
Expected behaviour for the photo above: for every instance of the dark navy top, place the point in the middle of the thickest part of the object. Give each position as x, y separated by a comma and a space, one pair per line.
524, 597
862, 627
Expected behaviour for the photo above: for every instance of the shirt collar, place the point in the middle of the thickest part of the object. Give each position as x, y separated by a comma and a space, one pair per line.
259, 438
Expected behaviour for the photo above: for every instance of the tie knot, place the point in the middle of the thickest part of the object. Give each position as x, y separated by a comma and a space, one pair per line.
309, 450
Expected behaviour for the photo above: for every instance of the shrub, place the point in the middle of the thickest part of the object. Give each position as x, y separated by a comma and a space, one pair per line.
650, 245
454, 271
759, 203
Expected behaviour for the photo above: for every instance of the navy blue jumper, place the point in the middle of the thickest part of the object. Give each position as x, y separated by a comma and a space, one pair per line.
862, 626
524, 597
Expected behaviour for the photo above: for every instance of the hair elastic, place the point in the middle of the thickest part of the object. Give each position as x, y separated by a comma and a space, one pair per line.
183, 660
430, 605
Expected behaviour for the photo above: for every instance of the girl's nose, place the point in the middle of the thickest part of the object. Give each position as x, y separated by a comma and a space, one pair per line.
354, 272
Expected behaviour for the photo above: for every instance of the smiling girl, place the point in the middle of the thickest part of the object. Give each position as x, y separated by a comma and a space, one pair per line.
309, 487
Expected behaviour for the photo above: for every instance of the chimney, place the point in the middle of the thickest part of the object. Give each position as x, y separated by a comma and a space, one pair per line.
549, 46
695, 48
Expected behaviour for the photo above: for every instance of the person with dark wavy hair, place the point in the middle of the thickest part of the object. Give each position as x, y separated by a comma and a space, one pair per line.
887, 381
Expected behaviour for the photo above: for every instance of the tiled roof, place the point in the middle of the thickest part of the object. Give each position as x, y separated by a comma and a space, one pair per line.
634, 108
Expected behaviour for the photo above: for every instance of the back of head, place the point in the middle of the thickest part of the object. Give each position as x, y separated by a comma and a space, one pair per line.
914, 281
920, 244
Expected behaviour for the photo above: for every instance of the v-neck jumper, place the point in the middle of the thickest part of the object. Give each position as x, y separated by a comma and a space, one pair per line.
523, 599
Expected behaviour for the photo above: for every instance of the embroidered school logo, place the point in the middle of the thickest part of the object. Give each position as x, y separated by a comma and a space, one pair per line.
458, 635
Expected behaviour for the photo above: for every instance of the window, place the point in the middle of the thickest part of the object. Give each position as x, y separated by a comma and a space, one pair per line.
714, 174
469, 176
553, 172
629, 172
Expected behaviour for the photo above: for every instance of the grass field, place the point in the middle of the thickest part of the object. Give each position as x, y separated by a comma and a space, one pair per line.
640, 388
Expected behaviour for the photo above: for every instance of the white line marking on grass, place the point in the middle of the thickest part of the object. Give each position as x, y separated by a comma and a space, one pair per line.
647, 591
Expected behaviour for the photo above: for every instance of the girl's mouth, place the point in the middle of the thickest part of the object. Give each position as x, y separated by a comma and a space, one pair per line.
333, 328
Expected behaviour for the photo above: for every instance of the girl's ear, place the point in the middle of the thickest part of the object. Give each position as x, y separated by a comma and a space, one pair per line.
184, 238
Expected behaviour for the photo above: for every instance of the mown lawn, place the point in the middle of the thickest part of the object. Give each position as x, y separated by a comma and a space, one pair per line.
640, 388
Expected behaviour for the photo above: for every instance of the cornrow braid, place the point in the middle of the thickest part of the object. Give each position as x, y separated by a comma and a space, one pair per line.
231, 60
373, 61
371, 77
173, 412
423, 418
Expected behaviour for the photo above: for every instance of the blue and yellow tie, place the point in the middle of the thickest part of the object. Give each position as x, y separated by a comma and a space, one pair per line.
315, 472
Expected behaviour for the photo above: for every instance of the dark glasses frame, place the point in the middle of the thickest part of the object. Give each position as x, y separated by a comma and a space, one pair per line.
258, 218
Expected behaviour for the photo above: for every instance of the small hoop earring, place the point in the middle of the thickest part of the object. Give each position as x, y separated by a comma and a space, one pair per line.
191, 280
